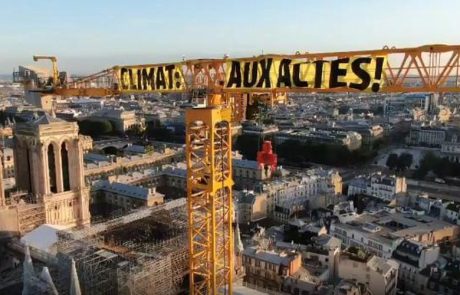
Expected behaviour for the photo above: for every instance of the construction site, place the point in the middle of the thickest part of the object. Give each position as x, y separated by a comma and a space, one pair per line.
140, 253
153, 250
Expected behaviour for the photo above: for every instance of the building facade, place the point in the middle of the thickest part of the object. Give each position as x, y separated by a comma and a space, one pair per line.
122, 120
8, 163
367, 236
384, 187
378, 274
127, 196
427, 136
451, 149
381, 232
350, 139
251, 206
413, 257
269, 269
453, 212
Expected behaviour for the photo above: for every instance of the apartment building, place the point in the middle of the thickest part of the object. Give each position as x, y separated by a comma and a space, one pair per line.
440, 278
378, 274
413, 257
268, 269
451, 148
381, 232
350, 139
384, 187
251, 206
250, 170
453, 212
122, 120
369, 132
306, 185
371, 237
432, 136
127, 196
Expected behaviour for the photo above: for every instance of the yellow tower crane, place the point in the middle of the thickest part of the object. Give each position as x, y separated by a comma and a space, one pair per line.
229, 84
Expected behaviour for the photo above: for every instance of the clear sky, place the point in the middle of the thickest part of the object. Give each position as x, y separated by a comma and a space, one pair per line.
91, 35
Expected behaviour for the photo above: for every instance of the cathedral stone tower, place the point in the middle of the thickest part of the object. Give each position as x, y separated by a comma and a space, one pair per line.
49, 164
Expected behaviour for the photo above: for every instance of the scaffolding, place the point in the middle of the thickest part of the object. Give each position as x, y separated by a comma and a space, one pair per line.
96, 269
141, 253
30, 216
162, 273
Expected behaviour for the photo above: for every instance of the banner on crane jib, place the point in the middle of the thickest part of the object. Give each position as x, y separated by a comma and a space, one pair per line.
365, 73
157, 78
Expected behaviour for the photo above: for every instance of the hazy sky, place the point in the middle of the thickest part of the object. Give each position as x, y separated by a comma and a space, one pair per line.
88, 36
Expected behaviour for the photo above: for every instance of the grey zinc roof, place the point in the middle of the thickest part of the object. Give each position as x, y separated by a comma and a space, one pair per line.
410, 247
92, 157
379, 264
247, 198
360, 182
268, 256
135, 149
132, 191
46, 119
245, 164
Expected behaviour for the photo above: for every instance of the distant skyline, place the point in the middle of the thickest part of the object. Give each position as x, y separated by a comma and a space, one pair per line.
88, 36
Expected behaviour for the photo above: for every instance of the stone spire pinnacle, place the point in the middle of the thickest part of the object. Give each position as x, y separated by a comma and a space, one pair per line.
28, 265
46, 277
238, 242
74, 282
28, 272
53, 112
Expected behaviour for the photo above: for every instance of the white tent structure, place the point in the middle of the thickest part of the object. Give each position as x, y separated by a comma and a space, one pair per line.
43, 238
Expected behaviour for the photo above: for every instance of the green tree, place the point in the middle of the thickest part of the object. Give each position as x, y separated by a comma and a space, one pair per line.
135, 130
248, 145
111, 150
256, 110
296, 153
149, 150
95, 127
404, 161
392, 161
442, 167
158, 132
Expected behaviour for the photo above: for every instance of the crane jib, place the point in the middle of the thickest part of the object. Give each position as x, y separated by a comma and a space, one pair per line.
364, 73
359, 73
151, 78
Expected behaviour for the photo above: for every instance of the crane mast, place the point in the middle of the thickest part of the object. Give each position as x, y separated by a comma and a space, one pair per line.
209, 196
430, 68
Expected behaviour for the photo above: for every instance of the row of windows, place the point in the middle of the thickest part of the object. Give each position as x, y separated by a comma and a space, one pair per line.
122, 201
258, 263
245, 173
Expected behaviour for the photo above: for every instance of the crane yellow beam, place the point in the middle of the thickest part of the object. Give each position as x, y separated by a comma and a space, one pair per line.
209, 197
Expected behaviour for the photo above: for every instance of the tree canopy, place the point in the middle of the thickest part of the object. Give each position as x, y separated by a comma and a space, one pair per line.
399, 163
296, 153
135, 130
95, 127
442, 167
